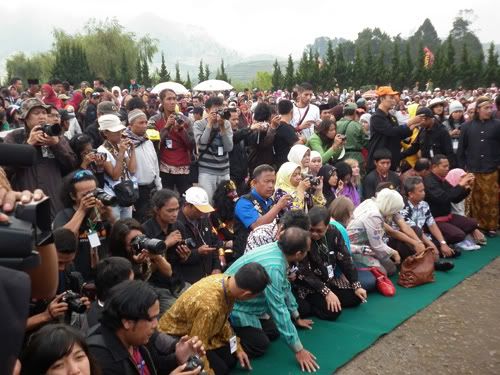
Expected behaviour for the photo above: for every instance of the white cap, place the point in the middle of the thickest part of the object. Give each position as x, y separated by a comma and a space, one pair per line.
110, 122
198, 198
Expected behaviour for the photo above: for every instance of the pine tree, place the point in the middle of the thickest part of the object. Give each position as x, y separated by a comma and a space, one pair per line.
396, 65
420, 74
328, 71
302, 74
278, 79
221, 72
138, 72
466, 69
381, 76
315, 70
177, 73
341, 67
407, 69
357, 77
188, 83
450, 71
491, 71
478, 69
201, 73
163, 74
146, 79
124, 75
207, 72
369, 69
289, 74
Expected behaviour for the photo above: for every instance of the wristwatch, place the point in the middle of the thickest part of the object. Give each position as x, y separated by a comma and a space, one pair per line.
442, 242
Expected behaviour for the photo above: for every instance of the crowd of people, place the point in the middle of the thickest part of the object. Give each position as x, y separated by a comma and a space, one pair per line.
191, 231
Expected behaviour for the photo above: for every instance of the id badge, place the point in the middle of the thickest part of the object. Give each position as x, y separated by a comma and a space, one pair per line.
233, 344
168, 143
329, 268
220, 151
94, 239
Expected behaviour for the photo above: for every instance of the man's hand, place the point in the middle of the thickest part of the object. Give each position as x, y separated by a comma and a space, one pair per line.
415, 121
9, 198
275, 121
307, 361
50, 141
36, 137
205, 249
212, 119
466, 180
361, 294
188, 346
243, 359
306, 124
87, 202
304, 323
338, 141
180, 371
396, 258
333, 302
173, 238
284, 201
124, 145
419, 247
446, 250
56, 308
184, 252
170, 121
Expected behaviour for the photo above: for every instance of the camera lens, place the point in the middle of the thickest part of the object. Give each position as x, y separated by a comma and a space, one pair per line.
52, 130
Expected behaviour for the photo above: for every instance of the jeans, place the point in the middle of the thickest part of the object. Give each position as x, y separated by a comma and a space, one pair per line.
120, 212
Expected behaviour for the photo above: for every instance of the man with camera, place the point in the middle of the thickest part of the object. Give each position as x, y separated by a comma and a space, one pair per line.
214, 138
54, 156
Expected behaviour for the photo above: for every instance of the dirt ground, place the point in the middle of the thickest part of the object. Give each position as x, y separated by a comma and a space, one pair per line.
457, 334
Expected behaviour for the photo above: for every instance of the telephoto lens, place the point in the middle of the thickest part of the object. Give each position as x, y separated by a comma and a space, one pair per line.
52, 130
154, 246
105, 198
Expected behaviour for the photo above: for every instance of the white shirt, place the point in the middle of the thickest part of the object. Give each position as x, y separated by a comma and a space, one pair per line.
148, 169
312, 115
109, 183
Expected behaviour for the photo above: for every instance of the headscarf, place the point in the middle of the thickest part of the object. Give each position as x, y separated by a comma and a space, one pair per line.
315, 154
388, 202
284, 175
327, 171
453, 176
296, 155
51, 98
76, 100
118, 100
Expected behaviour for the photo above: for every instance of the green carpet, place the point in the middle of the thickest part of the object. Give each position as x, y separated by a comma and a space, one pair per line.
336, 343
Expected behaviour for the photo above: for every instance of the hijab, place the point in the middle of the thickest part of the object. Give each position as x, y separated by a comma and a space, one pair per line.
453, 176
76, 100
389, 202
327, 171
118, 100
284, 175
51, 97
296, 155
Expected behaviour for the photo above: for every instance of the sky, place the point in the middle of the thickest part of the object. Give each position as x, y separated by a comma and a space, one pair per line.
275, 27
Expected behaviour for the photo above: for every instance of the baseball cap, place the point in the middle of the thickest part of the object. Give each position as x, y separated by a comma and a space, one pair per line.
110, 122
107, 108
351, 106
28, 104
198, 198
425, 112
386, 90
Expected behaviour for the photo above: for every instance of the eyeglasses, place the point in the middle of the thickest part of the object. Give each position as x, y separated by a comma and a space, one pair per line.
81, 174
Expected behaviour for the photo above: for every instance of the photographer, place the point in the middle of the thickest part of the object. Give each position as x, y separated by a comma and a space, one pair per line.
176, 143
87, 157
123, 243
88, 217
120, 162
164, 226
54, 155
68, 290
214, 138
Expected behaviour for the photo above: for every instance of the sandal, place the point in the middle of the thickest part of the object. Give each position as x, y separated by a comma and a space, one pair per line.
491, 233
481, 241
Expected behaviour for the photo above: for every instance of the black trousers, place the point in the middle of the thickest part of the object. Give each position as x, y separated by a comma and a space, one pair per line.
171, 181
221, 360
315, 304
143, 207
256, 341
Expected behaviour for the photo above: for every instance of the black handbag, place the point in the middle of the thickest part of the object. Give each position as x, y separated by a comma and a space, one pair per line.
126, 193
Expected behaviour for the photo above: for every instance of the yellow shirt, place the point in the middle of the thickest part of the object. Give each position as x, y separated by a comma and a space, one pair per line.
202, 310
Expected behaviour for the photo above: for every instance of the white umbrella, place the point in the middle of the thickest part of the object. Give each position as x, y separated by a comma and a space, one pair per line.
213, 85
177, 87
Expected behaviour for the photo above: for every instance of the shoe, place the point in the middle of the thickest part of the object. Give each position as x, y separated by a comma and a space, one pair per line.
491, 233
481, 242
443, 265
467, 245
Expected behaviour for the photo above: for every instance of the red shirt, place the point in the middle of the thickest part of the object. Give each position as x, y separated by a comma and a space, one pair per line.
180, 153
142, 367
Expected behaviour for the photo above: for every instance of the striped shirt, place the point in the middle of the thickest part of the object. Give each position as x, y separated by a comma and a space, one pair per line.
276, 300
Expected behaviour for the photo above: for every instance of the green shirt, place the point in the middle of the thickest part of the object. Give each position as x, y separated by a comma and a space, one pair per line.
316, 144
355, 136
276, 300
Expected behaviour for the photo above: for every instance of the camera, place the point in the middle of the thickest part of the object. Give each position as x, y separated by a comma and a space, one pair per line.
74, 302
105, 198
179, 119
343, 137
312, 179
189, 242
29, 225
100, 155
51, 130
224, 113
194, 362
154, 246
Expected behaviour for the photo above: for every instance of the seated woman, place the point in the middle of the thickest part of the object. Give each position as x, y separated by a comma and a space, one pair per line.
289, 181
87, 157
344, 174
144, 262
366, 231
315, 163
57, 349
301, 155
327, 142
330, 181
320, 291
341, 210
356, 177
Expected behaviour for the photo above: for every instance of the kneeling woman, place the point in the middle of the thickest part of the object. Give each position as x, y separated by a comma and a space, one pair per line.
366, 231
326, 279
289, 181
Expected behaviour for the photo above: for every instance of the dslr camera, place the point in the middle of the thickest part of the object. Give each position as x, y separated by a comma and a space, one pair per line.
189, 242
194, 362
179, 119
154, 246
105, 198
312, 179
74, 302
224, 113
52, 130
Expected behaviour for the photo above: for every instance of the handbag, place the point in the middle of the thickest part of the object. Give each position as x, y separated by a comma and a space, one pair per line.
383, 283
417, 269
